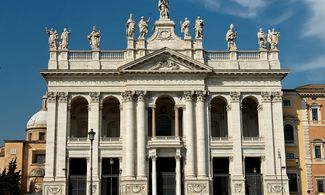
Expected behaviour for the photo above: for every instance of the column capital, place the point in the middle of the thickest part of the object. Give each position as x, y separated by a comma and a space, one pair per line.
62, 97
200, 96
95, 96
235, 96
128, 96
188, 95
141, 95
266, 96
51, 97
277, 96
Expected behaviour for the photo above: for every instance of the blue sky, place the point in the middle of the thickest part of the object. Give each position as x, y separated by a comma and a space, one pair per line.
24, 49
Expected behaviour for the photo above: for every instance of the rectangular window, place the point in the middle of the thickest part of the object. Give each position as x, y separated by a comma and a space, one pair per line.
41, 136
290, 155
318, 151
314, 112
13, 151
293, 182
29, 136
39, 158
286, 103
320, 185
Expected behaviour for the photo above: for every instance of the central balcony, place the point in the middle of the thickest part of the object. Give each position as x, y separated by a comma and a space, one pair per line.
165, 142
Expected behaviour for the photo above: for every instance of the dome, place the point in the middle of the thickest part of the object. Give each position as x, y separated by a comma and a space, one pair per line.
38, 120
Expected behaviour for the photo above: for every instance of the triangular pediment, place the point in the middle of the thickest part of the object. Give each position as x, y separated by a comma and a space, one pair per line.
165, 60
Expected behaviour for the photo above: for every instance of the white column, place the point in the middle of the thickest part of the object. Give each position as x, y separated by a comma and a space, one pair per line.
50, 136
176, 122
190, 150
154, 175
201, 136
141, 137
236, 133
178, 175
268, 134
129, 135
153, 133
93, 123
61, 135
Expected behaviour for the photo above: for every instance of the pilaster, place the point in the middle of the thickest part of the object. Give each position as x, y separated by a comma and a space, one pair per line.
198, 49
53, 61
130, 52
189, 128
63, 60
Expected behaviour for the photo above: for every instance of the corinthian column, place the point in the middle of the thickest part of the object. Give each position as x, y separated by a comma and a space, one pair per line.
201, 135
141, 135
190, 164
128, 143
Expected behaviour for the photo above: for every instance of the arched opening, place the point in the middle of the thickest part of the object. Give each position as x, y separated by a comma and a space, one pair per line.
111, 118
219, 127
165, 117
250, 118
289, 134
79, 118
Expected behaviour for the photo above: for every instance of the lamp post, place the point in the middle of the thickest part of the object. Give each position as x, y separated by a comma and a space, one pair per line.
91, 136
111, 162
254, 170
298, 174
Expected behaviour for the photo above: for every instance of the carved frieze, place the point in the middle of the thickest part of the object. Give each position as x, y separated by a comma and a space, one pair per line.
196, 187
53, 190
134, 189
166, 65
238, 187
274, 187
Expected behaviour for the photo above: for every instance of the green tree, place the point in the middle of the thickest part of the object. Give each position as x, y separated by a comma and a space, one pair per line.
10, 180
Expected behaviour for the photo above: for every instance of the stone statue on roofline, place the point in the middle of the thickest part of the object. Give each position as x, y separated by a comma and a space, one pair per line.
143, 27
261, 36
130, 27
53, 38
273, 39
186, 28
199, 24
231, 38
94, 39
163, 7
65, 39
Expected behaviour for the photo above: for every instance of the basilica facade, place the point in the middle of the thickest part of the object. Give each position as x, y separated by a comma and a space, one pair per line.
170, 117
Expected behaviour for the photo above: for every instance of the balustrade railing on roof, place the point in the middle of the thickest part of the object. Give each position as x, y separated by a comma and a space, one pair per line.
224, 55
112, 55
217, 55
80, 55
248, 55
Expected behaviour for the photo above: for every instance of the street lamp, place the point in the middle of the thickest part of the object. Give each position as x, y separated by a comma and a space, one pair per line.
280, 159
91, 136
254, 170
298, 174
111, 162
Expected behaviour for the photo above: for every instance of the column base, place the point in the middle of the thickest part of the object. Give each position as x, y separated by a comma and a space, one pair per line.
197, 186
54, 187
134, 186
273, 185
238, 185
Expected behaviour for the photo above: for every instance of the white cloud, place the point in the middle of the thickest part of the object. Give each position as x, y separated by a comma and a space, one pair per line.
285, 16
315, 25
315, 64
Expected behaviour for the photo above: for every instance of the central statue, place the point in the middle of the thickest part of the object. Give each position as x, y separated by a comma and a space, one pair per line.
163, 6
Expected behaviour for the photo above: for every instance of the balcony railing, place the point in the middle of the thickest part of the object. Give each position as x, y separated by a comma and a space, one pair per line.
78, 139
219, 139
253, 139
110, 139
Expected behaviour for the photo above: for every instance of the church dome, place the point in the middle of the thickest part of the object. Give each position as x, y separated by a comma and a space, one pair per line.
38, 120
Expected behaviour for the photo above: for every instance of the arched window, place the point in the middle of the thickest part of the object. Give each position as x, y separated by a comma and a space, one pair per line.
165, 117
289, 134
79, 118
219, 126
111, 118
250, 118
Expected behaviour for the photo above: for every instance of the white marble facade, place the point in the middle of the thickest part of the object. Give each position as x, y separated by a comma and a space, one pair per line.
179, 74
